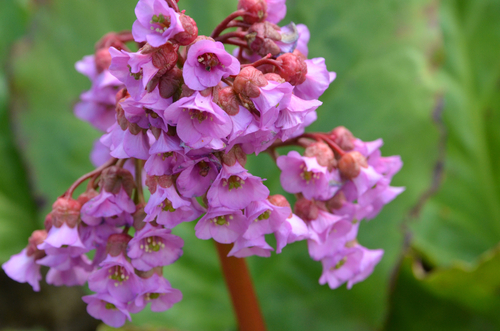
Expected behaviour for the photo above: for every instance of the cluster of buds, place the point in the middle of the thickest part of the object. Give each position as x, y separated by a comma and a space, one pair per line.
180, 116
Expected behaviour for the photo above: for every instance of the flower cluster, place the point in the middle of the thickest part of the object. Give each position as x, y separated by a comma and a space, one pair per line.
181, 115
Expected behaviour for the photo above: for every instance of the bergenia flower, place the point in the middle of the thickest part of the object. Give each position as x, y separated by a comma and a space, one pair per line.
156, 22
207, 62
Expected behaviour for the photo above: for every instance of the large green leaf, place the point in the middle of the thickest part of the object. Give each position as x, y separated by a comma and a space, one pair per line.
463, 219
385, 88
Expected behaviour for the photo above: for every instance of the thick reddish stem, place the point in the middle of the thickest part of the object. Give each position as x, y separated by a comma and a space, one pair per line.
265, 60
241, 289
173, 5
96, 172
223, 25
235, 34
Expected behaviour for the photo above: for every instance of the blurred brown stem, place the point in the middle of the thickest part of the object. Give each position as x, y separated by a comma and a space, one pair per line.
241, 290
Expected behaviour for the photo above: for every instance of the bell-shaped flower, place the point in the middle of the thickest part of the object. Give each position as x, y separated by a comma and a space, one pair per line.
24, 269
222, 224
154, 247
235, 188
291, 230
207, 63
248, 247
200, 122
197, 177
159, 292
156, 22
107, 308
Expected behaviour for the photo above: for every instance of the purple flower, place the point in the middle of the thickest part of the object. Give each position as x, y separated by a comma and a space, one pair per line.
264, 218
248, 247
63, 240
106, 308
200, 122
106, 205
169, 209
276, 10
166, 156
71, 277
159, 292
195, 180
304, 175
304, 36
222, 224
148, 111
318, 78
23, 269
154, 247
135, 70
235, 188
156, 22
207, 62
334, 241
351, 265
268, 103
292, 117
291, 230
117, 278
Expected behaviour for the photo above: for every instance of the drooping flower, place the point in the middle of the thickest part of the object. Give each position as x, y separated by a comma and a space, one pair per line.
207, 62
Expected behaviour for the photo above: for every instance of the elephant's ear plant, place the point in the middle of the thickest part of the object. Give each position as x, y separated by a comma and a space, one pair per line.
181, 115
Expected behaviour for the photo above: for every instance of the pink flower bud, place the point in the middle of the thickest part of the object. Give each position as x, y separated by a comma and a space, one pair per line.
190, 32
117, 244
278, 200
261, 38
350, 164
323, 154
293, 68
170, 83
102, 59
65, 210
306, 209
248, 82
114, 178
36, 238
235, 154
343, 137
256, 10
227, 100
336, 202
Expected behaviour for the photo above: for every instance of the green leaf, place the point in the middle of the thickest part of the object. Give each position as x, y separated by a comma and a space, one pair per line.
463, 219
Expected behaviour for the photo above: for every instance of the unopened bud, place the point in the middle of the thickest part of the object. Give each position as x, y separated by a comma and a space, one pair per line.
87, 195
66, 210
228, 101
278, 200
190, 32
36, 238
256, 10
293, 68
274, 77
322, 152
343, 138
350, 164
235, 154
102, 59
164, 181
47, 223
138, 217
114, 178
117, 244
336, 202
165, 57
170, 83
306, 209
248, 82
261, 38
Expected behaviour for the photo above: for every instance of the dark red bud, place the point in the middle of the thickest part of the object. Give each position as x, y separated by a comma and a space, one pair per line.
165, 57
343, 137
256, 10
117, 244
350, 164
114, 178
261, 38
138, 217
306, 209
170, 83
336, 202
235, 154
190, 31
65, 210
293, 68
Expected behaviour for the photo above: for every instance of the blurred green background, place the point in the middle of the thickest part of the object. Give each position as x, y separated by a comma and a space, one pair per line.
422, 74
